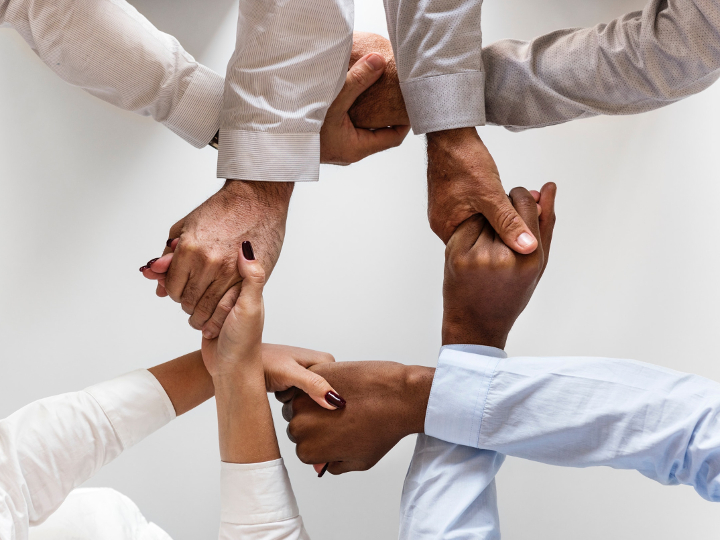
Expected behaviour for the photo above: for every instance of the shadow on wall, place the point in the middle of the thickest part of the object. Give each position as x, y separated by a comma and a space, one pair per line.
192, 22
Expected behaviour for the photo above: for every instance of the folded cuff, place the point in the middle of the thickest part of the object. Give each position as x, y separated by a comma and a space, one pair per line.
256, 493
136, 405
196, 117
443, 102
459, 391
269, 157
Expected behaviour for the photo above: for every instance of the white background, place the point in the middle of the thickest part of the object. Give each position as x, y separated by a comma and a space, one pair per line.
89, 193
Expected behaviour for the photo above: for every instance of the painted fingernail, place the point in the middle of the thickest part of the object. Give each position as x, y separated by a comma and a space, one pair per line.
143, 268
324, 470
248, 251
525, 240
170, 241
375, 61
335, 400
151, 261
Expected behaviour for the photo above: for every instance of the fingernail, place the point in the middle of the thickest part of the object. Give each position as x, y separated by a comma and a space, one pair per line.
375, 61
143, 268
525, 240
335, 400
151, 261
248, 251
324, 470
170, 240
207, 334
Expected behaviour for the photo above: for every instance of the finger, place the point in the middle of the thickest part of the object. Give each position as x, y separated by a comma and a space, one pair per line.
289, 435
507, 222
316, 387
160, 290
149, 274
374, 141
359, 78
211, 329
320, 469
161, 265
286, 396
547, 218
287, 411
252, 274
526, 207
467, 233
211, 298
307, 357
176, 277
342, 467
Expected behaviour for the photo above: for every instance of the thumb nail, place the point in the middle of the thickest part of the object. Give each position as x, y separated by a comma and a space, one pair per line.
335, 400
248, 251
525, 240
375, 61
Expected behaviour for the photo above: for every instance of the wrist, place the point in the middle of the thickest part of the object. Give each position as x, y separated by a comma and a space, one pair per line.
418, 383
268, 194
459, 334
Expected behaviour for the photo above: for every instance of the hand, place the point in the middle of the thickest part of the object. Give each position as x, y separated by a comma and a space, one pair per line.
382, 104
463, 181
238, 347
386, 401
202, 274
341, 142
487, 285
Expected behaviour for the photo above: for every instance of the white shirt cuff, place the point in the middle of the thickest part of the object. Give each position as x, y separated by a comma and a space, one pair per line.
136, 405
442, 102
269, 157
256, 493
459, 390
196, 117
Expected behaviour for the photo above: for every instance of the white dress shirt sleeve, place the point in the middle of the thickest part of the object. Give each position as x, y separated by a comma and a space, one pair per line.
258, 503
290, 62
638, 62
438, 51
111, 51
582, 412
50, 447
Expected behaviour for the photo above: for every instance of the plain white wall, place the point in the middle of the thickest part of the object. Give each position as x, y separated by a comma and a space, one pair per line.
89, 192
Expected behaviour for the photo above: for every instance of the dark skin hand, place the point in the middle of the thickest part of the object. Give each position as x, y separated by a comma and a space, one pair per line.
487, 285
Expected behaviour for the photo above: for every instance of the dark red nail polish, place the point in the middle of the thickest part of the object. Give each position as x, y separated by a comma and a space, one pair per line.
143, 268
335, 400
324, 470
151, 261
170, 241
248, 251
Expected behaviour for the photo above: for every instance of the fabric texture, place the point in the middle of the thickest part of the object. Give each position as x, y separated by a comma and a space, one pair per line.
111, 51
289, 64
50, 447
639, 62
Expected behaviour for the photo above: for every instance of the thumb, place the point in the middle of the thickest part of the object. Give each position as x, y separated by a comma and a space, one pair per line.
253, 276
316, 387
503, 217
359, 78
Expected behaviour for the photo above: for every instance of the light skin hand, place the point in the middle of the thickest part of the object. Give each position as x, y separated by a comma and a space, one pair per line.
341, 142
487, 285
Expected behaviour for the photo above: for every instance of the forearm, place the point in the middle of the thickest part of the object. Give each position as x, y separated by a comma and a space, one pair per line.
151, 73
289, 64
637, 63
186, 381
438, 50
581, 412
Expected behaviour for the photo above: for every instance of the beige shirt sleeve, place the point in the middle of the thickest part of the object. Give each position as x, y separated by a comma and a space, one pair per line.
111, 51
639, 62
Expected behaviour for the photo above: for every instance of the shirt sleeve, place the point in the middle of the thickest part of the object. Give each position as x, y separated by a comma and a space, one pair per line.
639, 62
449, 493
50, 447
111, 51
583, 412
290, 62
258, 503
438, 51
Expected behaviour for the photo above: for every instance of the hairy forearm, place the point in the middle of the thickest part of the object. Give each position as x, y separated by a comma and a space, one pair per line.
186, 381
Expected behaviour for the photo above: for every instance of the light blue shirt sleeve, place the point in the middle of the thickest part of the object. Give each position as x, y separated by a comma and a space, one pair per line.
449, 492
581, 412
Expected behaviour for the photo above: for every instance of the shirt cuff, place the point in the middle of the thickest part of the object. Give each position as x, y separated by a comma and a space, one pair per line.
136, 405
443, 102
269, 157
256, 493
196, 117
459, 391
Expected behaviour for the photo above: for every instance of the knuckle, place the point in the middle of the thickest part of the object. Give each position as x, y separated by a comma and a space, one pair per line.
194, 323
328, 358
509, 220
357, 77
303, 454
